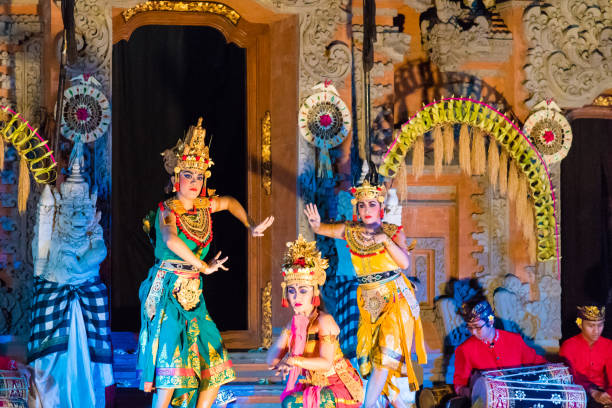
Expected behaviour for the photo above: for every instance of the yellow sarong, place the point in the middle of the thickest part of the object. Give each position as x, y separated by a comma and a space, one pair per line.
389, 314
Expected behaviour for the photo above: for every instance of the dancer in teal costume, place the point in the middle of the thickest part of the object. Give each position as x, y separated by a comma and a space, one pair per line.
181, 353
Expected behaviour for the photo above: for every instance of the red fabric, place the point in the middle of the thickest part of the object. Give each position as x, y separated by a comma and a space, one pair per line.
7, 364
509, 351
338, 388
591, 365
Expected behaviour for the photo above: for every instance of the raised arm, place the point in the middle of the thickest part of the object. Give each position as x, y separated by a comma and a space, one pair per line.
238, 211
328, 332
328, 230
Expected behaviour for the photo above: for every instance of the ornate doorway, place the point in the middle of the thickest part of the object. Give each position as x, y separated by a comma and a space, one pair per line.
240, 306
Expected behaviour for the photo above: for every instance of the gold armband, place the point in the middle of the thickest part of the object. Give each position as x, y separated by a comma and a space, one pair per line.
286, 332
167, 219
328, 338
295, 361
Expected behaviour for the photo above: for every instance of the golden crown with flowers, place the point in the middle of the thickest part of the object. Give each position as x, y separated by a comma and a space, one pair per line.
304, 265
591, 313
367, 191
190, 154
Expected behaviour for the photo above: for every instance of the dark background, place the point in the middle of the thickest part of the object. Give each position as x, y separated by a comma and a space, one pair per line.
586, 222
164, 78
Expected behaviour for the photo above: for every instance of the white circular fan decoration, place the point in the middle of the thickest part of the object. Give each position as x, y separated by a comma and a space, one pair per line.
87, 112
549, 131
324, 121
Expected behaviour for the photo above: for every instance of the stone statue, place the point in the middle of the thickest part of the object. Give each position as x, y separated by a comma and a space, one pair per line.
70, 337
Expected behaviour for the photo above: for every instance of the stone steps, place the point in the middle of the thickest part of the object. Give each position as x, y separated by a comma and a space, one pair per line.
255, 386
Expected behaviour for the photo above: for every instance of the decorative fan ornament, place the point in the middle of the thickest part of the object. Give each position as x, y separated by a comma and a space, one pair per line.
325, 122
87, 111
549, 131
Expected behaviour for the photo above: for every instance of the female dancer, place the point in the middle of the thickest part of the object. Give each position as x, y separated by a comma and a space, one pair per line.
389, 311
181, 353
309, 345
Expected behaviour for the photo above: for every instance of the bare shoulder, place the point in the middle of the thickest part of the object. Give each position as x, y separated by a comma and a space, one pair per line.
327, 324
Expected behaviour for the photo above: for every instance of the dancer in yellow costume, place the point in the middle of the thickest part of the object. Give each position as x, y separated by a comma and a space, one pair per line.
389, 310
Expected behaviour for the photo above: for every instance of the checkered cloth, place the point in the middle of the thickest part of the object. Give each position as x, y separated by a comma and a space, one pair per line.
347, 312
51, 319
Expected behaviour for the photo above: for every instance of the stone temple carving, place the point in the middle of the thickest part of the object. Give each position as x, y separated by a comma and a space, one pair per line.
570, 51
70, 334
453, 34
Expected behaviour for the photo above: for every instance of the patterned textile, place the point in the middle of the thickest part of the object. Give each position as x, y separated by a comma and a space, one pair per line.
296, 400
178, 348
387, 329
347, 312
51, 322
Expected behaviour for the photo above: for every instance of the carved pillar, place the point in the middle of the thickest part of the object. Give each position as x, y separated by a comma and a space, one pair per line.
94, 44
20, 88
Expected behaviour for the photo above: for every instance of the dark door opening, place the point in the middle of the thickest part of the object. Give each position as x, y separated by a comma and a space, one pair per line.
586, 222
164, 78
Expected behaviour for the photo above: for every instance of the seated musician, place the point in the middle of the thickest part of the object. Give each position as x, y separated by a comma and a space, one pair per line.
590, 356
488, 347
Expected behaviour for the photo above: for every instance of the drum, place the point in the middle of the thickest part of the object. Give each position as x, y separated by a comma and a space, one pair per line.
13, 389
436, 397
552, 373
496, 392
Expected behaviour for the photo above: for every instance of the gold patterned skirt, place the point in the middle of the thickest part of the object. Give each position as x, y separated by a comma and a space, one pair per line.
389, 321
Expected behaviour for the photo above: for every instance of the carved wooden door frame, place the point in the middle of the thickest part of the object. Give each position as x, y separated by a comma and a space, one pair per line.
255, 39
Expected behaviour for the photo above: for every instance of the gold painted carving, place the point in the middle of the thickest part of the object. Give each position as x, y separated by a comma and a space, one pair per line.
266, 311
266, 153
603, 101
184, 6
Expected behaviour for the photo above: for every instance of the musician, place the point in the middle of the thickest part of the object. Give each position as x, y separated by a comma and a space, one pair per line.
488, 347
589, 356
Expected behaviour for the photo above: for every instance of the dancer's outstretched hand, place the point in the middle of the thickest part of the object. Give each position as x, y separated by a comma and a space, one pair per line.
282, 369
215, 265
258, 231
314, 219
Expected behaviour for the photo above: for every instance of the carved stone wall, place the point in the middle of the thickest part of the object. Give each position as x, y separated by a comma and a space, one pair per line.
20, 88
570, 51
531, 307
453, 34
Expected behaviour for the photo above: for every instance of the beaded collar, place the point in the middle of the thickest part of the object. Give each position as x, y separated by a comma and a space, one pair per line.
196, 223
359, 247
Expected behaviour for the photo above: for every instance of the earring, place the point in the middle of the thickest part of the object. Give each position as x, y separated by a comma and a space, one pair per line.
177, 187
382, 213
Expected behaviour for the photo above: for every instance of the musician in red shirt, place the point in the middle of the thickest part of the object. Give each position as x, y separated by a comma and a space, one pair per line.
488, 348
590, 356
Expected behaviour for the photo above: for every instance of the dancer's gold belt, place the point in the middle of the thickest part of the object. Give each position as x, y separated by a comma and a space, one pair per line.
180, 268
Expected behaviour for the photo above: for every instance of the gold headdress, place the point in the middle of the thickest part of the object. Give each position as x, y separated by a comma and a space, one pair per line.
303, 264
191, 154
591, 313
367, 191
